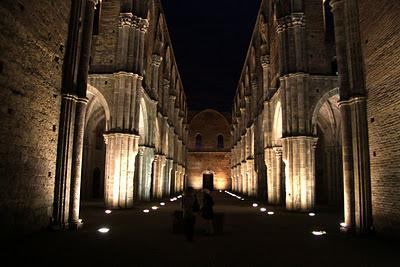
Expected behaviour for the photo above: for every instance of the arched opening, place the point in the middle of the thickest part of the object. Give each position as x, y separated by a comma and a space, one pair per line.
199, 141
328, 163
208, 180
94, 150
220, 141
328, 21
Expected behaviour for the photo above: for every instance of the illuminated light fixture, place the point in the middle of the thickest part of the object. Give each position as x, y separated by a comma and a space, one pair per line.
103, 230
318, 233
171, 199
179, 196
263, 209
80, 221
162, 204
242, 198
220, 191
175, 199
154, 208
107, 211
312, 214
270, 213
146, 211
255, 205
343, 224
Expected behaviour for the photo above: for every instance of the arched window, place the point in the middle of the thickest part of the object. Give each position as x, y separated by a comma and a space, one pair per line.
220, 141
199, 141
96, 20
328, 17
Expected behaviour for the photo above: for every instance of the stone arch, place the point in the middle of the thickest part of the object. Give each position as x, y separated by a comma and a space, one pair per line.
157, 137
99, 97
97, 122
319, 104
143, 123
326, 125
277, 125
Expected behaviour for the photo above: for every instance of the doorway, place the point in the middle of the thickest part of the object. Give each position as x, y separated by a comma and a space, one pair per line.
208, 181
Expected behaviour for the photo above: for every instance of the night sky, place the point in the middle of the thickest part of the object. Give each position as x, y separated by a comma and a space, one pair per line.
210, 39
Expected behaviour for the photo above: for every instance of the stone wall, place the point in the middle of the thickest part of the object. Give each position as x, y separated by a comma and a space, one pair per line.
209, 158
32, 44
380, 38
209, 124
216, 162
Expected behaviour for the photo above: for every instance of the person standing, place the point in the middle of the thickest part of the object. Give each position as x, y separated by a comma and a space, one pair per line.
190, 205
207, 211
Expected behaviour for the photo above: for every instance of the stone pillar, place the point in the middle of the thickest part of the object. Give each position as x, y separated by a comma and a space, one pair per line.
158, 173
139, 174
72, 123
299, 159
155, 64
278, 175
167, 175
76, 172
123, 45
273, 158
64, 162
356, 173
355, 148
244, 178
121, 151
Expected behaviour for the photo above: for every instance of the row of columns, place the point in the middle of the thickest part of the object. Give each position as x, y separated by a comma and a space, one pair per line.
291, 162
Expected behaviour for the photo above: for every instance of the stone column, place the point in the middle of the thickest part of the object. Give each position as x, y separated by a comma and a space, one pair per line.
123, 45
278, 175
64, 162
355, 148
121, 151
139, 174
155, 64
80, 114
299, 158
266, 69
76, 172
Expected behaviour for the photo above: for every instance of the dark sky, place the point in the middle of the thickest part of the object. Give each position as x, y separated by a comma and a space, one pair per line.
210, 39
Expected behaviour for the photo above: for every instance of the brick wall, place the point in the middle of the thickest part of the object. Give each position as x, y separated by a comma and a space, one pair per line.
217, 162
380, 39
32, 44
209, 124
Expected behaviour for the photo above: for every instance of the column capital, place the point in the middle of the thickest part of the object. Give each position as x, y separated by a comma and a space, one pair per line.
265, 61
156, 60
125, 19
143, 25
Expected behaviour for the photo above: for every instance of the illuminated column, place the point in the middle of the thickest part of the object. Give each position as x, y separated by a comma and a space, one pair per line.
155, 64
244, 178
278, 175
167, 175
72, 118
139, 174
271, 166
355, 148
121, 151
156, 178
299, 158
64, 161
76, 171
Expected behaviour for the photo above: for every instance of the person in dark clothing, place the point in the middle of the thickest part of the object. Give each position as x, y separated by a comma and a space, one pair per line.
189, 206
207, 211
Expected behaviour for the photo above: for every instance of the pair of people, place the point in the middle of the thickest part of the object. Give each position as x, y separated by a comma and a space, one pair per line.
191, 206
